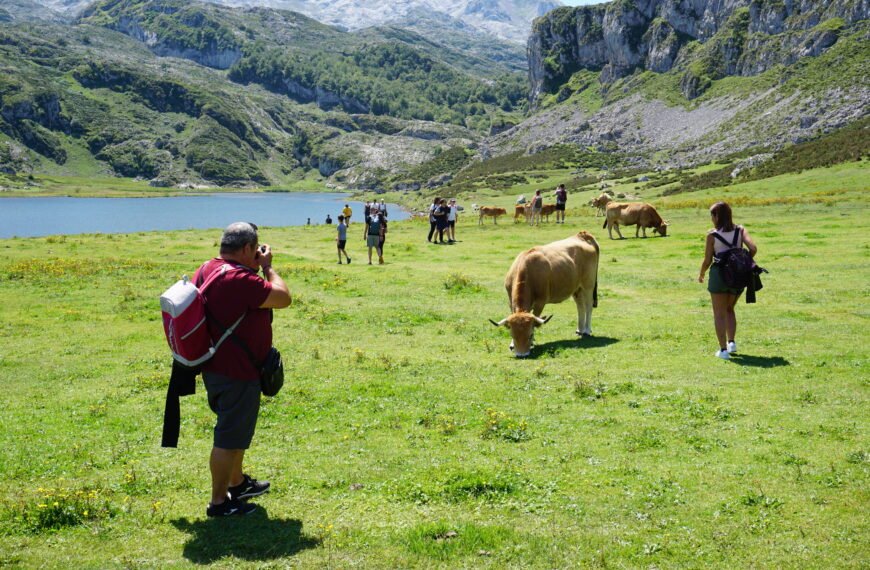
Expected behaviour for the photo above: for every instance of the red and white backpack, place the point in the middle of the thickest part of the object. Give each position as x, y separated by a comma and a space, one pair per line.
184, 320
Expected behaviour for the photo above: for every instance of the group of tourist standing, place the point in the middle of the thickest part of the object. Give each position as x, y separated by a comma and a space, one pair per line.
442, 219
374, 234
536, 207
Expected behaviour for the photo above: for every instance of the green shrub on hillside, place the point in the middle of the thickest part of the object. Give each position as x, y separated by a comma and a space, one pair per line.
383, 79
848, 144
41, 140
554, 157
851, 143
220, 156
135, 158
449, 161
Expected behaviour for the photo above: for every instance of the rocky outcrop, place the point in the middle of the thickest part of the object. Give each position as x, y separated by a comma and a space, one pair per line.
324, 98
212, 55
728, 37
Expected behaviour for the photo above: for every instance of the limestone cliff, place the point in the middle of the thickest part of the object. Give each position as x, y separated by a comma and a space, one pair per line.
708, 39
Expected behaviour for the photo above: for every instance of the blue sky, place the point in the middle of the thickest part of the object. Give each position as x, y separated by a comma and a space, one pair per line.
582, 2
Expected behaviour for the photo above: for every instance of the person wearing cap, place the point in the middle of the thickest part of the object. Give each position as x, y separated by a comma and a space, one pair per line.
232, 376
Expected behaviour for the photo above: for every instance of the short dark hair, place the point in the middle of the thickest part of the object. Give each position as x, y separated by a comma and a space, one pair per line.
722, 211
340, 218
238, 235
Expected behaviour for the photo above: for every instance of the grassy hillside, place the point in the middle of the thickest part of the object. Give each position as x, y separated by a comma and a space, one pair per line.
408, 437
382, 73
195, 93
88, 101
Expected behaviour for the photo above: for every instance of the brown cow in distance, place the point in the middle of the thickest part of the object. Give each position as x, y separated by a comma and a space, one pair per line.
492, 212
524, 210
547, 210
550, 274
600, 203
634, 213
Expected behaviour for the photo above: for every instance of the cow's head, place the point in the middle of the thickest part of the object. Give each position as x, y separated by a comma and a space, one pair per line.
522, 325
662, 229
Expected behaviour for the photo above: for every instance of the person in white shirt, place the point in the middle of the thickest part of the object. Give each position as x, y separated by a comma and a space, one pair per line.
452, 216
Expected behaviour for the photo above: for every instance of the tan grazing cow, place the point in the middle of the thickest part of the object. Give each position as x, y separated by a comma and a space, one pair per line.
547, 210
522, 210
634, 213
492, 212
550, 274
600, 203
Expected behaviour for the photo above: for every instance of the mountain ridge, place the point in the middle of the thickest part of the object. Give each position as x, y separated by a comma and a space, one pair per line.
503, 19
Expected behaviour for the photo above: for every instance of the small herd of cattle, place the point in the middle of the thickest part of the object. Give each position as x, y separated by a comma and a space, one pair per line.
637, 214
567, 268
523, 211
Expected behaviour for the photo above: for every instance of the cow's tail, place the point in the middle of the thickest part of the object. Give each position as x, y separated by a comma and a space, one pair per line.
604, 227
594, 243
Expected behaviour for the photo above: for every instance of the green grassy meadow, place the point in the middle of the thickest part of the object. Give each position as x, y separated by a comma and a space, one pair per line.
407, 435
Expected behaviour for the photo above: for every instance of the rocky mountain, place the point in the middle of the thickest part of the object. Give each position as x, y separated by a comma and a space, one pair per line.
29, 11
718, 38
505, 19
684, 81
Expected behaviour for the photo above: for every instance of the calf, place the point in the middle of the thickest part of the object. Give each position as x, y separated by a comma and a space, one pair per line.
492, 212
600, 203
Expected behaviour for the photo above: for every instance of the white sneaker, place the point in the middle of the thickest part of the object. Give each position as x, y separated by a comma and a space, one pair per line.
723, 354
732, 347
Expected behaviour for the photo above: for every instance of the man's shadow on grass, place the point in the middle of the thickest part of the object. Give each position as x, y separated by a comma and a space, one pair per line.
759, 361
557, 346
249, 537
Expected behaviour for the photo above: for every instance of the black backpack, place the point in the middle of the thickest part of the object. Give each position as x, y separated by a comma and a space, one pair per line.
735, 264
374, 226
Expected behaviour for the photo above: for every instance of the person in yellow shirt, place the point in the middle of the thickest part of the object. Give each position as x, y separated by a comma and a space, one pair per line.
347, 213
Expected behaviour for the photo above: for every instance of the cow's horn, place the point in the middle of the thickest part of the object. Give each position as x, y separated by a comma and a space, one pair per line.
543, 321
498, 324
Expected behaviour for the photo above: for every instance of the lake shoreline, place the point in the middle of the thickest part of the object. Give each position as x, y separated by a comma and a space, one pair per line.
42, 216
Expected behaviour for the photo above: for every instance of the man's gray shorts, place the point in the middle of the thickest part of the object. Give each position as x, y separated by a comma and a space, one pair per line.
237, 404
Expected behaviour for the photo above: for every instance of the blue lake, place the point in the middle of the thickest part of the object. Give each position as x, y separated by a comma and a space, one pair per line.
30, 217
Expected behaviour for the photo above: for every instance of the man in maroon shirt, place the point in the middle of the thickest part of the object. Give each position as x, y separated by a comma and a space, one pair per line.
231, 376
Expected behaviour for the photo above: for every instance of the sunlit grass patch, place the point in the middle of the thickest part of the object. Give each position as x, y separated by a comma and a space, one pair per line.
52, 509
500, 425
460, 283
479, 485
51, 269
444, 541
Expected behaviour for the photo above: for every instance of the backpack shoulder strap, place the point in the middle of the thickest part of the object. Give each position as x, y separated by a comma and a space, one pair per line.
720, 238
203, 284
738, 233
